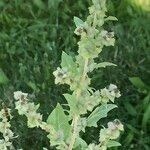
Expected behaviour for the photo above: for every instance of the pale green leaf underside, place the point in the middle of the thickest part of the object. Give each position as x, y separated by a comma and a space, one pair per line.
78, 22
104, 64
80, 144
112, 143
112, 18
72, 103
99, 113
67, 62
59, 120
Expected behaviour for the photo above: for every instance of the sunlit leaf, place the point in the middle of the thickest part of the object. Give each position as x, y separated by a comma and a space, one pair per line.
59, 120
67, 62
78, 22
99, 113
104, 64
112, 143
112, 18
72, 103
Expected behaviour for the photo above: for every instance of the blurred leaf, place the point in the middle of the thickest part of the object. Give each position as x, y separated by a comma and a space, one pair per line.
32, 85
2, 3
39, 3
3, 77
99, 113
146, 116
130, 109
133, 129
137, 82
54, 3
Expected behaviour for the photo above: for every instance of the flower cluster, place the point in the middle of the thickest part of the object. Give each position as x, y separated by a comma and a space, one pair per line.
107, 136
110, 93
110, 133
61, 76
27, 108
5, 125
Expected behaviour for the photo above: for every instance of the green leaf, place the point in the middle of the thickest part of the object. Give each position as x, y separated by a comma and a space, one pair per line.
146, 117
104, 64
95, 2
130, 109
67, 62
112, 18
54, 3
112, 143
39, 4
3, 77
78, 22
80, 144
59, 121
137, 82
32, 85
98, 113
133, 129
71, 99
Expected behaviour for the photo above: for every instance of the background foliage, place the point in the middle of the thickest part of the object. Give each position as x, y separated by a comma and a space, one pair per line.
32, 37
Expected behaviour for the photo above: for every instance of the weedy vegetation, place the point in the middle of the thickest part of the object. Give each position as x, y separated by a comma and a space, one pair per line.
86, 104
31, 44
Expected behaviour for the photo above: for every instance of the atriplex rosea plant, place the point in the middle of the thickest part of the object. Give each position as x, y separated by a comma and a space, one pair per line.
86, 105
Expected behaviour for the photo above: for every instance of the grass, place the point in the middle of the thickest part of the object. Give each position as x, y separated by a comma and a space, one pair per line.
30, 49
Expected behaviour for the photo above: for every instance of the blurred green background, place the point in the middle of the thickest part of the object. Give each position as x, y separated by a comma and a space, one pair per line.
33, 34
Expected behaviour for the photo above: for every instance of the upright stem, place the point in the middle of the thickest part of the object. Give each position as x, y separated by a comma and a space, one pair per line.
76, 117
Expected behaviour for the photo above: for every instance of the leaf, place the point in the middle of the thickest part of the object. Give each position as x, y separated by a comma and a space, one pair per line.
80, 144
32, 85
71, 99
130, 109
78, 22
67, 62
104, 64
39, 4
133, 129
98, 113
3, 77
96, 2
111, 18
54, 3
137, 82
146, 117
112, 143
59, 120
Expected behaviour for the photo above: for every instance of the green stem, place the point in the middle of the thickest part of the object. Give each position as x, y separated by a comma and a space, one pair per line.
76, 117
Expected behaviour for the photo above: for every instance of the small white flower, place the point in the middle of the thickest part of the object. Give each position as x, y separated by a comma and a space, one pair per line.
61, 74
18, 95
112, 87
114, 90
111, 126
